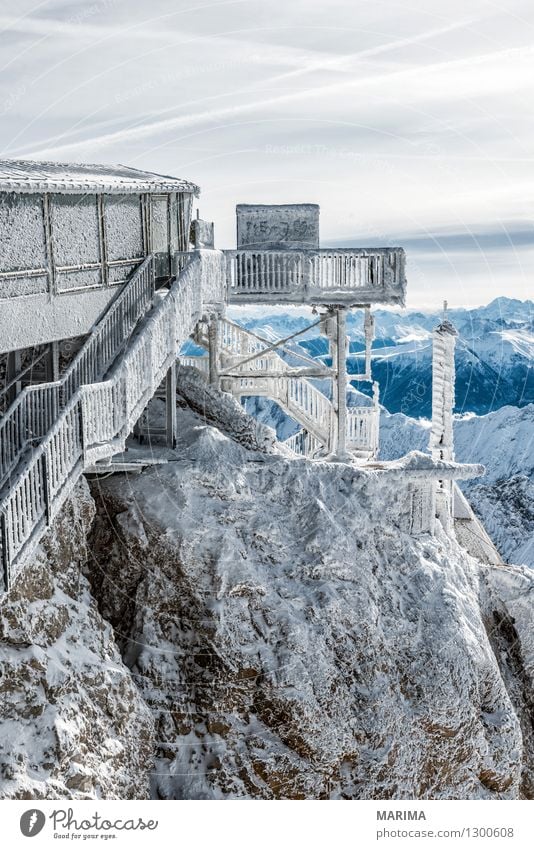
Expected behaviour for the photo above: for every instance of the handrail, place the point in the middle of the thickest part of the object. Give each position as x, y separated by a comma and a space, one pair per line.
303, 443
98, 416
34, 411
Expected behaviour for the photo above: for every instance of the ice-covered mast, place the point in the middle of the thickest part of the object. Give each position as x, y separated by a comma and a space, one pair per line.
441, 442
443, 374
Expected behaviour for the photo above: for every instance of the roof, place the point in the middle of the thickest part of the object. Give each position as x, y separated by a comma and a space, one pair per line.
240, 206
19, 175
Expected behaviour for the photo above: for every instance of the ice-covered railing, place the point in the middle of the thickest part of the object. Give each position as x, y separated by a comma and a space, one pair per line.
342, 276
36, 408
362, 433
201, 363
303, 443
363, 426
362, 429
98, 417
298, 396
307, 404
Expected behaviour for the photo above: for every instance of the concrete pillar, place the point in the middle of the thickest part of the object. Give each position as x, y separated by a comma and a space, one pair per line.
341, 360
170, 405
51, 362
336, 326
213, 350
331, 332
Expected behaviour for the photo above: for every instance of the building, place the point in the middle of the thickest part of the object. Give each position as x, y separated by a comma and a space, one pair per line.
71, 234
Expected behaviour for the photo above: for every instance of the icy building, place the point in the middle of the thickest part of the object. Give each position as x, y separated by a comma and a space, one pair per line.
71, 235
100, 288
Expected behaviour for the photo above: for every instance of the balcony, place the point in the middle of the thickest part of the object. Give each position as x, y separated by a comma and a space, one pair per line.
345, 277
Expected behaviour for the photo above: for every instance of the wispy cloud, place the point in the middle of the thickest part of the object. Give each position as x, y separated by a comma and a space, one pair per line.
399, 121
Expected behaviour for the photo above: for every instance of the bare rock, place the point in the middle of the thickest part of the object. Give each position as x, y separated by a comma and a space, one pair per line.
73, 723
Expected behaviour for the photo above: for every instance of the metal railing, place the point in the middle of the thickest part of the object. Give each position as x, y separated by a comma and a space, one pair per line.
321, 276
362, 429
36, 408
98, 416
310, 407
303, 444
201, 363
363, 426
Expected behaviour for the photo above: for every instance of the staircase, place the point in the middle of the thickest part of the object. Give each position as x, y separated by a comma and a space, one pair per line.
54, 431
36, 408
297, 396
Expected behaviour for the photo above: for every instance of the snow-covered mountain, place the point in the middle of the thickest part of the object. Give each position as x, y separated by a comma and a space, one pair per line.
493, 355
237, 622
502, 441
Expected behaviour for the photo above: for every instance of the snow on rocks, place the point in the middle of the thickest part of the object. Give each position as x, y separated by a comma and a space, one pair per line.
266, 628
73, 725
507, 602
223, 411
291, 639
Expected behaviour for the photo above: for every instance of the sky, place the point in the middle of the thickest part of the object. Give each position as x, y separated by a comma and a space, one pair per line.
409, 123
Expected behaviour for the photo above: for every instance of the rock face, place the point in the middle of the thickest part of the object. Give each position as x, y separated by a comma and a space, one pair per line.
293, 642
73, 723
238, 623
506, 601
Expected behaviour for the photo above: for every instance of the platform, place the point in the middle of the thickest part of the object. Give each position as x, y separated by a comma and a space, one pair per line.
345, 277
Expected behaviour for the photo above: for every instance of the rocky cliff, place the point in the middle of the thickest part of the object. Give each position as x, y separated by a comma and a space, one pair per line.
265, 629
73, 724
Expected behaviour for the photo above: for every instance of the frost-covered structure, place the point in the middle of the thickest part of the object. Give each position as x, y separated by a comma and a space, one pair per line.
56, 430
238, 621
71, 233
441, 435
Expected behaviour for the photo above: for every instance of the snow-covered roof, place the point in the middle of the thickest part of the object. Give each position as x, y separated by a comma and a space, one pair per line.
19, 175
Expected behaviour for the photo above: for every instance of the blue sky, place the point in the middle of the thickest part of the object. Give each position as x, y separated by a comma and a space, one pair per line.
409, 123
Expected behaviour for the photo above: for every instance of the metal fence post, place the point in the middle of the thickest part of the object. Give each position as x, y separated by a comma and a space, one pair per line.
170, 404
46, 487
4, 551
81, 425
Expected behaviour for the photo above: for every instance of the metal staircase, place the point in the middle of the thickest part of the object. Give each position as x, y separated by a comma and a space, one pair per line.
297, 396
36, 408
53, 432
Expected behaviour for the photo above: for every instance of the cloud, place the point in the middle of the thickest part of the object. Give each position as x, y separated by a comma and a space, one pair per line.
399, 121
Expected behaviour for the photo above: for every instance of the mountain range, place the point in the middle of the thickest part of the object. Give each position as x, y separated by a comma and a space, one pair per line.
493, 354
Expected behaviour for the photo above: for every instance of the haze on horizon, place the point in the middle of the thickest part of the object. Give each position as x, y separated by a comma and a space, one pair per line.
408, 124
